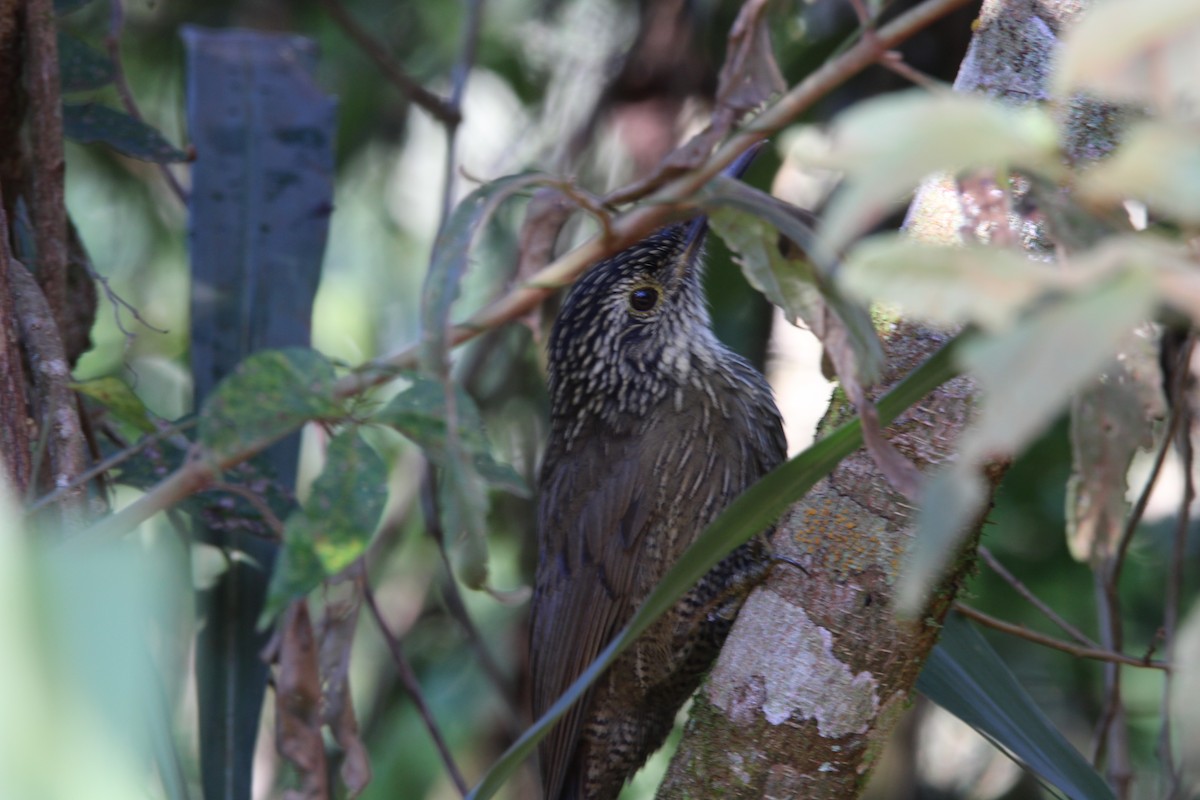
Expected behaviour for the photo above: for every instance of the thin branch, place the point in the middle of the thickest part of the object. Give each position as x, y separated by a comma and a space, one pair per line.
16, 457
894, 61
1139, 508
49, 165
1034, 600
624, 230
1181, 376
113, 461
57, 414
408, 679
437, 108
116, 24
458, 87
253, 498
1021, 631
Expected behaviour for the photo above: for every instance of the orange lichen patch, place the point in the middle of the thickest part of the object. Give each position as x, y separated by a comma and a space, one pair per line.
829, 533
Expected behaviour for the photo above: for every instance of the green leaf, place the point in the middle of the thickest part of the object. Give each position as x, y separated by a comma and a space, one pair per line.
419, 413
89, 123
298, 570
1027, 376
888, 145
1157, 162
1029, 372
115, 395
965, 676
1145, 53
787, 282
336, 523
724, 192
269, 395
988, 286
450, 259
745, 517
347, 499
82, 68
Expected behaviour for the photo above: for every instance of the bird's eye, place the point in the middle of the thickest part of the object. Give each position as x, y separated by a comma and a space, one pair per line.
643, 298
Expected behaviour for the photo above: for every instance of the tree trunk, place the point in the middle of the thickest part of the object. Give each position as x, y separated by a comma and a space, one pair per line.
818, 668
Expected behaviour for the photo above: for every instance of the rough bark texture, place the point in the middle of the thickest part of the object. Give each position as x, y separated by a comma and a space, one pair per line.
15, 426
818, 669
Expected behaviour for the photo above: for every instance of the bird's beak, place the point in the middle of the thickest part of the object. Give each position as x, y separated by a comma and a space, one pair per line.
693, 243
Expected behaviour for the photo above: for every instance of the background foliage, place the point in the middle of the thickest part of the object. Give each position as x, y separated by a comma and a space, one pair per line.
558, 86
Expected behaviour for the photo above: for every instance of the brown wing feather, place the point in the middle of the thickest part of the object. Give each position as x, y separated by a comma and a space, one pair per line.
585, 582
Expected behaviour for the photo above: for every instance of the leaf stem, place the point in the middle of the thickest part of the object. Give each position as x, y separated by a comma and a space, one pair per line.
408, 678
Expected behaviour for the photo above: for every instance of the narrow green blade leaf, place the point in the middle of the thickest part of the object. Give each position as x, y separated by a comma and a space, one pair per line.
262, 194
91, 124
747, 516
965, 676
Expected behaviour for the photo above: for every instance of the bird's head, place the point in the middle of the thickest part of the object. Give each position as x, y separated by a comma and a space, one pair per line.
630, 328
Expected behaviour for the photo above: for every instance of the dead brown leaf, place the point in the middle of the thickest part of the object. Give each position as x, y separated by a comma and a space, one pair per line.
298, 705
1110, 422
898, 471
749, 78
336, 636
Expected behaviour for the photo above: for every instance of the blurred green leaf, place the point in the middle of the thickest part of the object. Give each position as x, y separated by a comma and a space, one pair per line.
115, 395
269, 395
1157, 162
89, 123
451, 258
965, 676
989, 286
77, 672
420, 413
1145, 53
81, 67
1027, 374
888, 145
752, 512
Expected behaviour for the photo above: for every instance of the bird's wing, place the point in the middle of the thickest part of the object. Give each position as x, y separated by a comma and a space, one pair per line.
595, 507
